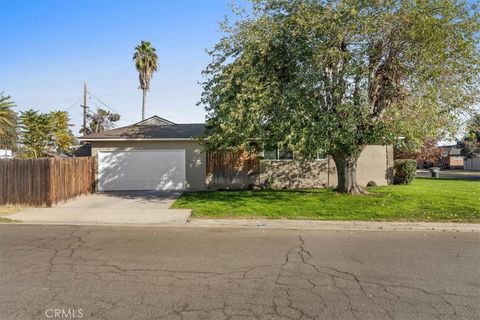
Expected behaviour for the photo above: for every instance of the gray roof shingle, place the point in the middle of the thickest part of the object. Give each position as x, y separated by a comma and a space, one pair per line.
151, 131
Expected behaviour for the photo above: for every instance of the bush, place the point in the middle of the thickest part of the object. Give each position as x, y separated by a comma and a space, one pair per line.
405, 171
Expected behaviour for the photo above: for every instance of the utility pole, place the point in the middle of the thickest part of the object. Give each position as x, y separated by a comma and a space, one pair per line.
85, 107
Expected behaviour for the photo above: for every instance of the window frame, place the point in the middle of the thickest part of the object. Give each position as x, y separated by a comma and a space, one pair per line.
277, 155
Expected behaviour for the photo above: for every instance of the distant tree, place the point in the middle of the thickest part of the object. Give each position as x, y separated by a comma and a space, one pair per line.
8, 123
471, 141
338, 75
429, 151
62, 136
44, 134
146, 62
35, 134
100, 121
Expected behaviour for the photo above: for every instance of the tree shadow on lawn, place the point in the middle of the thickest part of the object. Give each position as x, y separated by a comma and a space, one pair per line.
241, 197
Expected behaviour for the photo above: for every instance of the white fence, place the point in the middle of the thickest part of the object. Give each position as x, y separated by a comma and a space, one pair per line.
472, 164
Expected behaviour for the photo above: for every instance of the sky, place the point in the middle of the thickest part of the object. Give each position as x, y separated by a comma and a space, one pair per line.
50, 48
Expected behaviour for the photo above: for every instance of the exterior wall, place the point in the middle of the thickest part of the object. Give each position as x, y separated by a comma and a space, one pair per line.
375, 164
195, 161
472, 164
455, 162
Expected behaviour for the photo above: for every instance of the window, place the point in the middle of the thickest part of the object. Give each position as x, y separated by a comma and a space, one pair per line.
278, 154
285, 155
321, 155
270, 155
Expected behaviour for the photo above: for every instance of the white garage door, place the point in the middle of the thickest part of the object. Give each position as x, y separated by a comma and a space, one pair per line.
141, 170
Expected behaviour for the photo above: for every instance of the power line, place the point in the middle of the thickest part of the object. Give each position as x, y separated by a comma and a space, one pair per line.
73, 105
110, 108
103, 103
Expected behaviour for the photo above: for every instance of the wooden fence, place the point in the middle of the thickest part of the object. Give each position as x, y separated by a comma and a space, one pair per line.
472, 164
46, 181
232, 170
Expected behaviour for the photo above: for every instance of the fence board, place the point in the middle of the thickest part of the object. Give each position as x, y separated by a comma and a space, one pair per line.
44, 182
232, 170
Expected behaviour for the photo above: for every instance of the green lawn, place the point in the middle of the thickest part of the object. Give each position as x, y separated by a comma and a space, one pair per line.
423, 200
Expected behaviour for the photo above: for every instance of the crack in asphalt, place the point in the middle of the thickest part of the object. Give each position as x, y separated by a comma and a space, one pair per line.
278, 291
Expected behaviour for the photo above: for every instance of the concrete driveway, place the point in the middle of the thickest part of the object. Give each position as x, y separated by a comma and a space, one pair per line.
126, 207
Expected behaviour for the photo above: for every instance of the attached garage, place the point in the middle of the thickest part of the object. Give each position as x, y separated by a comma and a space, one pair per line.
154, 154
141, 170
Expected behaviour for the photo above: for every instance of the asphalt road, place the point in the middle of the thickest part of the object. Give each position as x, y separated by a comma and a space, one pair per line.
213, 273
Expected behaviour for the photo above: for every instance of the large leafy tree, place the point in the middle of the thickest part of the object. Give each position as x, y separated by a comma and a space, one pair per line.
471, 141
100, 121
146, 62
337, 75
44, 134
8, 123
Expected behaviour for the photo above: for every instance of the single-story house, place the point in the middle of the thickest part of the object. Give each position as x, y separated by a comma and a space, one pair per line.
452, 157
157, 154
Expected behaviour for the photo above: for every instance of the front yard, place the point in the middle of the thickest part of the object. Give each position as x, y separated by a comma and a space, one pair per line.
423, 200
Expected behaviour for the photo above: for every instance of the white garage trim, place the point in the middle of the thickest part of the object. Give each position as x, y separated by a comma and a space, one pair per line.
157, 169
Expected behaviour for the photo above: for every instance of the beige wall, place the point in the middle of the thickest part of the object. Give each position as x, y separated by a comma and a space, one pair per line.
455, 162
375, 164
195, 161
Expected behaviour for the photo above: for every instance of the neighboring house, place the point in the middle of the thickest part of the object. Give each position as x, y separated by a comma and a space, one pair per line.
452, 157
157, 154
5, 153
83, 150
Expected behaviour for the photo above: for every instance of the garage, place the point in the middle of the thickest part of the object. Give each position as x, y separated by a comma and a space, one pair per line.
141, 170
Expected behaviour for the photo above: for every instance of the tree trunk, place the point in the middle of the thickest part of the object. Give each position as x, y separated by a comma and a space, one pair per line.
347, 173
144, 100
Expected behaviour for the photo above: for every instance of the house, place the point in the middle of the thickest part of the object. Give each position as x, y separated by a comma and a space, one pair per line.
452, 157
82, 150
5, 154
157, 154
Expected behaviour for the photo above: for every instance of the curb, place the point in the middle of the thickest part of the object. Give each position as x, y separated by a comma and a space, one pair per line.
337, 225
284, 224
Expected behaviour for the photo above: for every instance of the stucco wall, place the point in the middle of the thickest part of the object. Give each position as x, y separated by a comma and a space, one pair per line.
375, 164
195, 161
455, 162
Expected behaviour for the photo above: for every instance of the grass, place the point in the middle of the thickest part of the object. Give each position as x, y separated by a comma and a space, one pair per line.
5, 211
423, 200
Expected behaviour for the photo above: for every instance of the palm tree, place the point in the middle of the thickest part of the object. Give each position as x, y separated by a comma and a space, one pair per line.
146, 59
7, 121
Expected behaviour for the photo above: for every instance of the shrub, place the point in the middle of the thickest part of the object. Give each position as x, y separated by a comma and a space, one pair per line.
405, 171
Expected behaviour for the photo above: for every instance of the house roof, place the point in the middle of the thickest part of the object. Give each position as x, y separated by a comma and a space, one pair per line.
455, 151
153, 128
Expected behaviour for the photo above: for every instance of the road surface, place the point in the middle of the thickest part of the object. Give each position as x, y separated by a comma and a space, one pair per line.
73, 272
